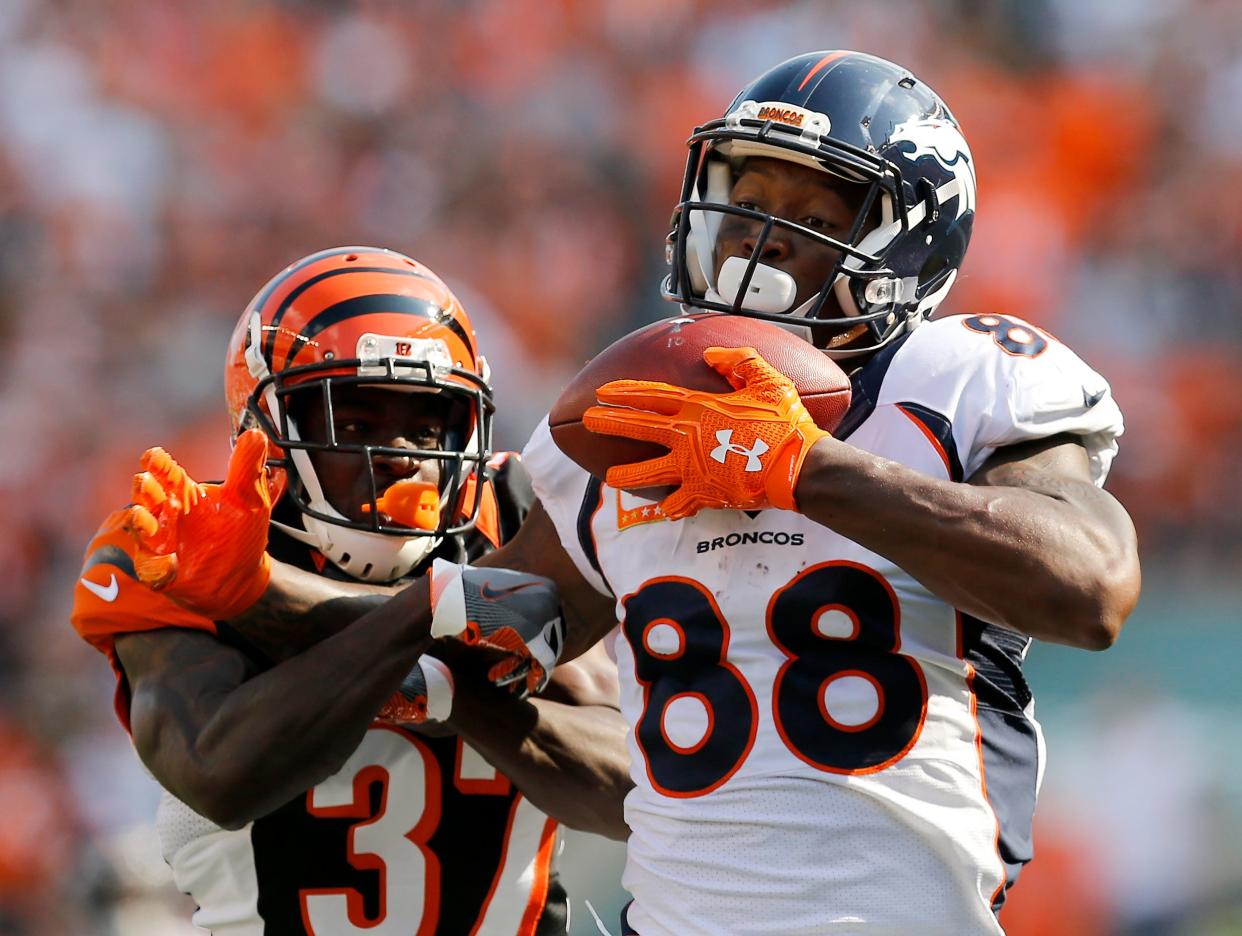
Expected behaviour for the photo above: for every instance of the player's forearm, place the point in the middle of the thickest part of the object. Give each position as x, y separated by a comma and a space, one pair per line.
1051, 559
299, 609
569, 760
265, 748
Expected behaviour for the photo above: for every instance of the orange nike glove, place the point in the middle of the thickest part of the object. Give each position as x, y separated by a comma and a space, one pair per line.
742, 450
203, 545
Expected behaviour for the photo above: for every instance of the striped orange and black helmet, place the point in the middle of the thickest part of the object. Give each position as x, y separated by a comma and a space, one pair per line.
361, 316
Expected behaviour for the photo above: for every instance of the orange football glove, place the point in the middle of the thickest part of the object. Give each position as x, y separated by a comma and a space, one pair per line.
203, 545
742, 450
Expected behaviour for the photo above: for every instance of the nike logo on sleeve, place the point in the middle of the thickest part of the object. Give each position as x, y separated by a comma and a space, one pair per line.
105, 592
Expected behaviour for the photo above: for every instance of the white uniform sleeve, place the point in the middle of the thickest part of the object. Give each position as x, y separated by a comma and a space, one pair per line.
997, 393
561, 485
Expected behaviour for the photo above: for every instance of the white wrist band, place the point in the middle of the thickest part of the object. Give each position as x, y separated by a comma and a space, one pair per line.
439, 682
448, 599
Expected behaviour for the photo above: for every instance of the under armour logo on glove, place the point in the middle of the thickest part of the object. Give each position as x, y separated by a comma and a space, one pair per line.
725, 438
764, 405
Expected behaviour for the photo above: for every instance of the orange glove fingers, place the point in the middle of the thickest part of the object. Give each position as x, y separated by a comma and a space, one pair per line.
653, 472
148, 492
246, 484
152, 533
683, 503
728, 362
747, 371
653, 395
155, 571
632, 423
139, 522
170, 475
536, 676
498, 671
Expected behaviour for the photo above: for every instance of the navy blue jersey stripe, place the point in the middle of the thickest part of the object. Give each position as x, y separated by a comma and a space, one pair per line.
941, 430
1009, 742
592, 500
865, 386
626, 929
113, 556
1010, 764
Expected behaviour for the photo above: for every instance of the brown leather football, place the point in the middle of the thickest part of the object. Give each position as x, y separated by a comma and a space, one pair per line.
672, 351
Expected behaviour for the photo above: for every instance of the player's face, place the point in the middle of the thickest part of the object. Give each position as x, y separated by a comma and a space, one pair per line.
372, 416
806, 196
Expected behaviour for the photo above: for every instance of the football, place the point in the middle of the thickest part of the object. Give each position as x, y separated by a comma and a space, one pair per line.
672, 351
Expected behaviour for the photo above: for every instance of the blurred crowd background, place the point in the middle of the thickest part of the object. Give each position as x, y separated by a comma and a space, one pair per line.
159, 161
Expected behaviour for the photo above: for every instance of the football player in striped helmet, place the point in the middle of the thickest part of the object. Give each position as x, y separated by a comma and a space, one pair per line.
290, 804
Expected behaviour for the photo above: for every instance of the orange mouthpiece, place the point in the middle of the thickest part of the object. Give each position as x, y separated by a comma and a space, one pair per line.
411, 503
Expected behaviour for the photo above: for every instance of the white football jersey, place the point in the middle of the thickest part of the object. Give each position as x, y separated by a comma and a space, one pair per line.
819, 744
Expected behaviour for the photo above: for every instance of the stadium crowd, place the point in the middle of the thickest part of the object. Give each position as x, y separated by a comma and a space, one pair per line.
158, 160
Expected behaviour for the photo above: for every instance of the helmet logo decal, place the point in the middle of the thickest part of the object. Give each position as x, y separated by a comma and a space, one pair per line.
945, 143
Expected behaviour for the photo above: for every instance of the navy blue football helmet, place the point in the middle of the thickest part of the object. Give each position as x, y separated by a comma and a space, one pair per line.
860, 119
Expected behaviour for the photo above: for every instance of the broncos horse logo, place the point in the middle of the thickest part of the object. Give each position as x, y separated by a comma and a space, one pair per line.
941, 140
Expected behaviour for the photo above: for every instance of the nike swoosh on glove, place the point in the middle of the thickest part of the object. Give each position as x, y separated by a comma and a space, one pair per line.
514, 612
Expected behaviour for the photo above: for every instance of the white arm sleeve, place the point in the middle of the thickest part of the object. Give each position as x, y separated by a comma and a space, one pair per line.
994, 395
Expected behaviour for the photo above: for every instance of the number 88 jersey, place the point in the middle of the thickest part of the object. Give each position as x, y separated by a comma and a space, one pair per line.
820, 744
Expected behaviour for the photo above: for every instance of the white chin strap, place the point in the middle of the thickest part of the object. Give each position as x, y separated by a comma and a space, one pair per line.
360, 554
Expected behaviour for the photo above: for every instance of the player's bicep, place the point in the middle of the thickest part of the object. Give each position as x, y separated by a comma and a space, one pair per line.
537, 549
178, 680
1059, 468
1036, 464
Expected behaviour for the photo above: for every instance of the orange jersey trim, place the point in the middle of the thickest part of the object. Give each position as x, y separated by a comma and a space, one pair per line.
489, 509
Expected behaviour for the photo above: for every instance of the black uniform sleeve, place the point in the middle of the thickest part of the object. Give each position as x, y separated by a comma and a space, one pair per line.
514, 494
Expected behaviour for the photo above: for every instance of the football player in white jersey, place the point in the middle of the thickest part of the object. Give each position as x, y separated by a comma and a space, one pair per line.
821, 660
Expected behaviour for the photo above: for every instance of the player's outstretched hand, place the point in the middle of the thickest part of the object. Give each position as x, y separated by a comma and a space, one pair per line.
203, 545
514, 613
742, 450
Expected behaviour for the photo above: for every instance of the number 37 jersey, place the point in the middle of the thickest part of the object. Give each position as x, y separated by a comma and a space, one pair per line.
820, 744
